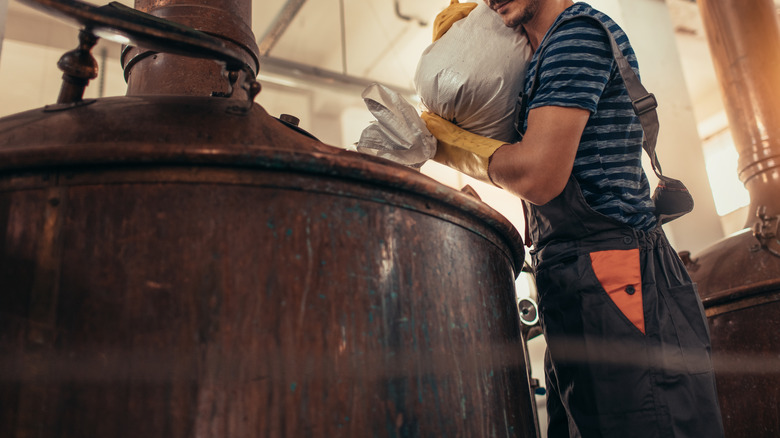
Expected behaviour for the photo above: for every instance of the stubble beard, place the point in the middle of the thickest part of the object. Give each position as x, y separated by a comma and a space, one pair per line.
528, 12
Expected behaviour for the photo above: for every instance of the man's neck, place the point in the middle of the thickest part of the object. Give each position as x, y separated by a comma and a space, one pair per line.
538, 26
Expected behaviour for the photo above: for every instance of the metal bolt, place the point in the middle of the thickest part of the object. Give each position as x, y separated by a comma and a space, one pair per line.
287, 118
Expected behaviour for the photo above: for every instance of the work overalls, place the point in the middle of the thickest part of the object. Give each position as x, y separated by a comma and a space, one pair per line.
628, 344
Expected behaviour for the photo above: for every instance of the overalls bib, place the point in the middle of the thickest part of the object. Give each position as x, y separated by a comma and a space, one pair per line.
628, 345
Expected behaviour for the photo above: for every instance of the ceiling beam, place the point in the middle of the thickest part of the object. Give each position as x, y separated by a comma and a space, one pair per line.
279, 26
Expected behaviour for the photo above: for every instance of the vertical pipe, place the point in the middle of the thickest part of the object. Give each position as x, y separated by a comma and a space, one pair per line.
738, 276
102, 72
744, 39
343, 38
166, 74
3, 15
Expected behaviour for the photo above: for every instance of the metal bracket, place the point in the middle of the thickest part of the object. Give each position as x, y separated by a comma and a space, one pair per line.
248, 83
767, 231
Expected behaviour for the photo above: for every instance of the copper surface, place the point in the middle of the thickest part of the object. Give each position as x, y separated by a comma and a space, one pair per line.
179, 265
739, 277
164, 283
170, 74
184, 265
745, 44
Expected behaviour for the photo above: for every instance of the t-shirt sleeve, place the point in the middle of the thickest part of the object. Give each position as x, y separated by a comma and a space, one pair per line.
576, 66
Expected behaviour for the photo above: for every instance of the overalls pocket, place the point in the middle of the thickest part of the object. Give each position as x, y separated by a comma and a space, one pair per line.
589, 337
620, 275
692, 334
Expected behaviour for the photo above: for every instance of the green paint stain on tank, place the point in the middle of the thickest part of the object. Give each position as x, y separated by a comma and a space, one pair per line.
289, 232
293, 385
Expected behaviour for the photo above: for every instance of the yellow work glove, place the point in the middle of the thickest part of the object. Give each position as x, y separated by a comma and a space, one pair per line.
452, 13
460, 149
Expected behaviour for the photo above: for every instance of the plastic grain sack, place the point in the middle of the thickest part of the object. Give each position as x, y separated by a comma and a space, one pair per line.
398, 134
474, 74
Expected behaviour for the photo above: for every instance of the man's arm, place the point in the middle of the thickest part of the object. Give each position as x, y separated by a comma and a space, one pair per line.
538, 168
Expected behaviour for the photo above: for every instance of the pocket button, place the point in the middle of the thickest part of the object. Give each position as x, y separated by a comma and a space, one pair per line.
630, 289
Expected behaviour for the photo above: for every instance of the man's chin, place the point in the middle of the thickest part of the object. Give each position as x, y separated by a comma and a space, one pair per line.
512, 24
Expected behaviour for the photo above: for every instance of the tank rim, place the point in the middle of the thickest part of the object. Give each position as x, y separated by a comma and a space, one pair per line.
313, 158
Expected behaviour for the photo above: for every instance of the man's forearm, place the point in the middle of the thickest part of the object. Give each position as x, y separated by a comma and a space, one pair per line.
538, 168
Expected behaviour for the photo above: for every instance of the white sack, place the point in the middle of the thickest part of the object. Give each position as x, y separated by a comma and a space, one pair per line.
473, 75
398, 134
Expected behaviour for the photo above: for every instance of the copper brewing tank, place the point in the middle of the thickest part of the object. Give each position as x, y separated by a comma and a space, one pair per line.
739, 277
184, 265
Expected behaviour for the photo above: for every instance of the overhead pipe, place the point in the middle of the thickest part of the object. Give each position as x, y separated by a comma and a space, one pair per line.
279, 26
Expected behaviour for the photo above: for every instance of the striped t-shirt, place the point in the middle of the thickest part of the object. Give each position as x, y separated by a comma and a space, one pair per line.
579, 70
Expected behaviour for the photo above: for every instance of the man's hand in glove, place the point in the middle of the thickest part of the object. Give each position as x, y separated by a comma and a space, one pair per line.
535, 169
460, 149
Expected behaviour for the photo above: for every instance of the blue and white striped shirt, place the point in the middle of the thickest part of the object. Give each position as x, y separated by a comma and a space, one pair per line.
578, 70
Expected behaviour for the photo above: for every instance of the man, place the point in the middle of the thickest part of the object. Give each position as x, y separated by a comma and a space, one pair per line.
628, 345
